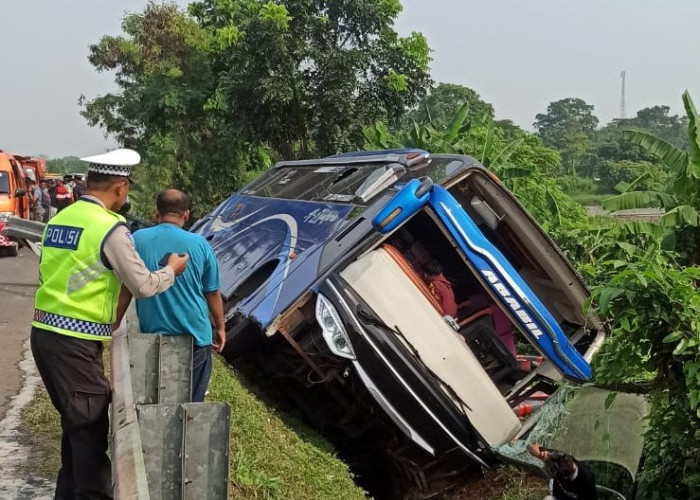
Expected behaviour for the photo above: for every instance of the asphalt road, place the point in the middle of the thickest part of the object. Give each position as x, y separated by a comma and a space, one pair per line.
18, 281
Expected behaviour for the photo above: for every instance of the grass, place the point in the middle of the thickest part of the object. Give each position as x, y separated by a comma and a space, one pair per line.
42, 428
590, 199
270, 459
504, 483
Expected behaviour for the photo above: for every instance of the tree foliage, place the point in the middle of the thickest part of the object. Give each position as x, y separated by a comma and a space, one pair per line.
226, 87
65, 165
657, 121
439, 106
653, 307
518, 157
568, 125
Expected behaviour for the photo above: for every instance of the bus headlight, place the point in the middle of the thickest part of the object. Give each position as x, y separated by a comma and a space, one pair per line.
333, 330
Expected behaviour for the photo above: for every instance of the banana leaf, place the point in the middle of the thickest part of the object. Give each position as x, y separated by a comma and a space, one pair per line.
504, 155
554, 207
693, 134
624, 187
682, 215
640, 199
488, 145
457, 122
664, 150
636, 228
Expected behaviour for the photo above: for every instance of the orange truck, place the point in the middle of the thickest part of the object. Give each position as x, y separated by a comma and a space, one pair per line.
34, 168
14, 199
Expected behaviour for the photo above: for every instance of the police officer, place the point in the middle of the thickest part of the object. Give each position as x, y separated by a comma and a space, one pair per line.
87, 251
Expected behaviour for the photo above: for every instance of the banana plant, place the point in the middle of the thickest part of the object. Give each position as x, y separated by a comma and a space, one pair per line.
681, 200
477, 137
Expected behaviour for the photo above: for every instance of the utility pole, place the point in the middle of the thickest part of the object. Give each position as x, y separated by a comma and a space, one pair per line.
623, 111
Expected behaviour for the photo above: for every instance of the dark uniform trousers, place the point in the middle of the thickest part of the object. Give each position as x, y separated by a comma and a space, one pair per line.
73, 373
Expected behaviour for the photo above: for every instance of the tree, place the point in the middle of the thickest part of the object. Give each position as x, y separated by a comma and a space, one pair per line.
656, 120
443, 101
306, 76
65, 165
568, 126
621, 174
223, 89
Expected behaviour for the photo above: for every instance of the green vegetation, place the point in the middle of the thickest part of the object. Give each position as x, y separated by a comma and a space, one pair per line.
66, 165
680, 197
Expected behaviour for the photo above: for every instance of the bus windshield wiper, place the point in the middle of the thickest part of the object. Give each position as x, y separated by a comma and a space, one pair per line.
367, 317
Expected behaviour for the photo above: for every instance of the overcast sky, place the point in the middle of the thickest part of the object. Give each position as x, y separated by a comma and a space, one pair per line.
519, 55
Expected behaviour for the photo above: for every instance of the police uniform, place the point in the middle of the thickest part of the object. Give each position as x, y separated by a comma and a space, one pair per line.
87, 251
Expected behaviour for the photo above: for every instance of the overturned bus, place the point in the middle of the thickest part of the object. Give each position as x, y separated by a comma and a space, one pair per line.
323, 275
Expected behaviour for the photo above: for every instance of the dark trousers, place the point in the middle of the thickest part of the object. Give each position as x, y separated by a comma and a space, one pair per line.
201, 372
74, 377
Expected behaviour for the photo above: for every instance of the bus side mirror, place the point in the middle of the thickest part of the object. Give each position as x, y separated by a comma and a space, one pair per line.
20, 192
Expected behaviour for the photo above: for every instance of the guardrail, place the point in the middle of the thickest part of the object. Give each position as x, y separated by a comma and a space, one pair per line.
164, 447
129, 470
24, 229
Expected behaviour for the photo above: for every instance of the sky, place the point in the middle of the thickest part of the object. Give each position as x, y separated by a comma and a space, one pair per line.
518, 55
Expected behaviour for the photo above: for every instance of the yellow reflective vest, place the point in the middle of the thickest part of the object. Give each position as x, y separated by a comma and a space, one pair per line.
78, 291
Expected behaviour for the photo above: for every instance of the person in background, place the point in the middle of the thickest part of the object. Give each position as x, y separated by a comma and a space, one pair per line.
79, 188
38, 210
45, 199
68, 182
569, 479
63, 197
29, 187
52, 191
440, 287
87, 252
195, 294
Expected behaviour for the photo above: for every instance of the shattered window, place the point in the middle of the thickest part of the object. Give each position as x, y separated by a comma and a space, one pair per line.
331, 183
604, 429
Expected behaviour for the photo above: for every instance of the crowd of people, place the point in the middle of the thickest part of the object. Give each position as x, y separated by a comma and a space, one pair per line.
49, 196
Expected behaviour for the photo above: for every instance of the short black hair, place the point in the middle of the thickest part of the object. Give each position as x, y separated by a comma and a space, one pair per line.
101, 182
172, 201
559, 466
433, 268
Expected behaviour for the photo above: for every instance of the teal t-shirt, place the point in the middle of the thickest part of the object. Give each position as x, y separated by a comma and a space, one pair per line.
182, 308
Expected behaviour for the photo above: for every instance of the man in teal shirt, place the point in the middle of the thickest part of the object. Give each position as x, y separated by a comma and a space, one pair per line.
186, 306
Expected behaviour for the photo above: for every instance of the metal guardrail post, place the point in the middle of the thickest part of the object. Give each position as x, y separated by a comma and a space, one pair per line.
175, 450
128, 468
